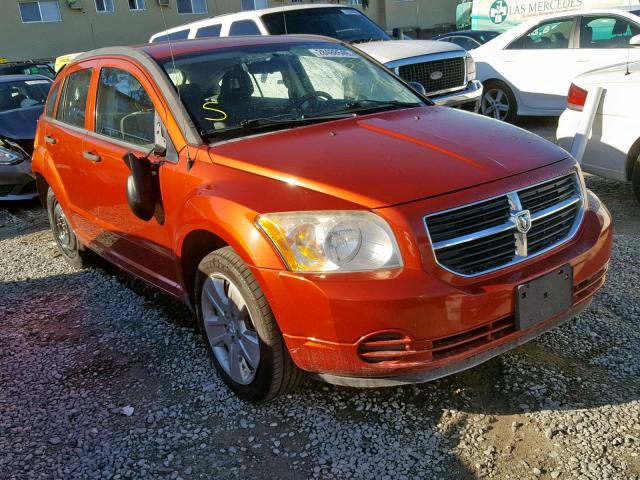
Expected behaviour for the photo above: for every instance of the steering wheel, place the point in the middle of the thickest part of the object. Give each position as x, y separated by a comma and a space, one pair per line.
313, 96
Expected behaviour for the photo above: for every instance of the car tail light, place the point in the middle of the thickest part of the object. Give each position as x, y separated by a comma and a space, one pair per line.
576, 98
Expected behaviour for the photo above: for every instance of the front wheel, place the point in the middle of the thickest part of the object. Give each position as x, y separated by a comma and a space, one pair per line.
635, 179
499, 102
240, 331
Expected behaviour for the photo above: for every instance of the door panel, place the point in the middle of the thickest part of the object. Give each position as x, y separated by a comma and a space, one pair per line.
123, 123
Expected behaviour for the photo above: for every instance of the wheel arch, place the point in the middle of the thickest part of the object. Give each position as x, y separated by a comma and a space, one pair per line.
632, 157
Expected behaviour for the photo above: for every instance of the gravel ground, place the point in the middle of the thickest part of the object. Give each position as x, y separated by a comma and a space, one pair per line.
102, 377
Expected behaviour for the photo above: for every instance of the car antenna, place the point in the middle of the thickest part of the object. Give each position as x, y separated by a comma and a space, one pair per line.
284, 20
628, 55
173, 65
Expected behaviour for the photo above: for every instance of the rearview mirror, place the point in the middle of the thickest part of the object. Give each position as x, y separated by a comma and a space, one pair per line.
159, 140
635, 41
418, 87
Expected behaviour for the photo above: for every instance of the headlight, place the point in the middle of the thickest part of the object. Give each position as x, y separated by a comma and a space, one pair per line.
471, 67
9, 157
332, 241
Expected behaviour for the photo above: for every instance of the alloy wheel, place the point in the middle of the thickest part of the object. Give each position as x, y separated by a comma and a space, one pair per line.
230, 329
495, 103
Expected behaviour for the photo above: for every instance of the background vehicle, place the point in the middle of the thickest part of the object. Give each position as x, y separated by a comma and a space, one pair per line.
446, 72
504, 14
315, 210
613, 148
528, 69
22, 99
63, 60
468, 39
29, 67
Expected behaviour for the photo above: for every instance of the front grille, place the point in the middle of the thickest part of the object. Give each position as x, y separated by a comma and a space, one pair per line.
451, 74
394, 347
484, 236
6, 189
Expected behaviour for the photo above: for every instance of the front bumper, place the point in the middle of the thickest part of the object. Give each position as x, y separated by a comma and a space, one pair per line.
17, 182
434, 323
469, 97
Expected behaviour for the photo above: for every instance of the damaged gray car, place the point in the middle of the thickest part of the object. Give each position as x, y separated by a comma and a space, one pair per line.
22, 101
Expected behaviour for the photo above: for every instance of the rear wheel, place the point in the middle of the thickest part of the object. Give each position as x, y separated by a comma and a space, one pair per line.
241, 333
498, 101
635, 179
68, 244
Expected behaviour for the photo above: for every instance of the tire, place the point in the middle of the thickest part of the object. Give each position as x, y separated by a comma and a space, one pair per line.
499, 102
635, 179
242, 336
74, 253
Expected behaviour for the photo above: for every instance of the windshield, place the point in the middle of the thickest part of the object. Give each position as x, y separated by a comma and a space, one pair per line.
346, 24
230, 87
23, 94
28, 69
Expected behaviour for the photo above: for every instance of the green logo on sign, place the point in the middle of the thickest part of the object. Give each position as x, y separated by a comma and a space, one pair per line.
498, 11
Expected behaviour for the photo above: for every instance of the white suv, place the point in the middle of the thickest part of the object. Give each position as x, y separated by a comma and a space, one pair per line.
446, 71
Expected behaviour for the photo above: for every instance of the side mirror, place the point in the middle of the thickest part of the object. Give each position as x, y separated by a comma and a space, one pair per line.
418, 87
635, 41
143, 190
396, 34
159, 140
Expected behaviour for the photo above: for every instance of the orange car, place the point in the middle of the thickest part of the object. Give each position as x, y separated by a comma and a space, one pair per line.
316, 213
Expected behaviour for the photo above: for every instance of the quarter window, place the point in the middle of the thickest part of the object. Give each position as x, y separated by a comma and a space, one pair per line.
51, 101
549, 35
244, 27
179, 35
210, 31
44, 11
606, 32
72, 107
135, 5
192, 6
104, 6
124, 110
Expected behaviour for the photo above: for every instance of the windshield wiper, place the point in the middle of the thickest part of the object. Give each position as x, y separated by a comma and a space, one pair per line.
366, 105
257, 124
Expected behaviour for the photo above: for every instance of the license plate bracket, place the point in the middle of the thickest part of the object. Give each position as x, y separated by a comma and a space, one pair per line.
544, 297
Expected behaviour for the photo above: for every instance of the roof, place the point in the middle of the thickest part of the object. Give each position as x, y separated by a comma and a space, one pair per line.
249, 13
162, 50
22, 78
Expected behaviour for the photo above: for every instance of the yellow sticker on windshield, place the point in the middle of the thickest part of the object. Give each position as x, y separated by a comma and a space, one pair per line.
221, 114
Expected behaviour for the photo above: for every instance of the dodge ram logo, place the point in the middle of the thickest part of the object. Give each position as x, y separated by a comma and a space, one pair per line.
523, 221
437, 75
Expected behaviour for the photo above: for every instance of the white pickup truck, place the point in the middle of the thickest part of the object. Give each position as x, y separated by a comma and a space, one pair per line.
446, 71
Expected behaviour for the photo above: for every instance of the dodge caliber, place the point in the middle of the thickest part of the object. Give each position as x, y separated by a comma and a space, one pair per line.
315, 212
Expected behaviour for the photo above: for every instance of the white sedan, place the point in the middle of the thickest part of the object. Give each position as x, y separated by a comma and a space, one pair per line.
613, 148
527, 70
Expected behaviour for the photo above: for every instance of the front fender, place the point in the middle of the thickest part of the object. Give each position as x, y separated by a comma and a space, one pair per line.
230, 221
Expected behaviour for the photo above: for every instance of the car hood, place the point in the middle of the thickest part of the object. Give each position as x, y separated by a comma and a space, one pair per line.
393, 157
390, 50
20, 124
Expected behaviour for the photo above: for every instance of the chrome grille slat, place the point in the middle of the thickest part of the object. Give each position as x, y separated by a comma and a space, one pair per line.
452, 69
470, 248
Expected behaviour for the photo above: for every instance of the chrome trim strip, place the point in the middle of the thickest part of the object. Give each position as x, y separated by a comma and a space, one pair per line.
555, 208
516, 202
426, 58
474, 236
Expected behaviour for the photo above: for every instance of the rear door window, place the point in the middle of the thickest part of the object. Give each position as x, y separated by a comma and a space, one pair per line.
606, 32
124, 110
554, 34
51, 101
74, 101
210, 31
244, 27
